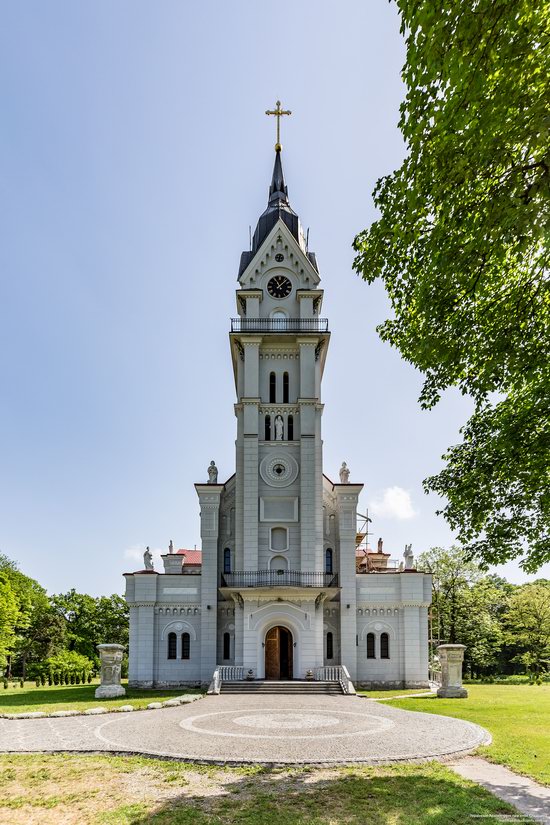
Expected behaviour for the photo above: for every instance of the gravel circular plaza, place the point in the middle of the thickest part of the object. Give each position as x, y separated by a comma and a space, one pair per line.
260, 729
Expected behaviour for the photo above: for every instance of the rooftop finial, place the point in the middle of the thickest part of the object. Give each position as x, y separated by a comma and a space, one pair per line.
278, 112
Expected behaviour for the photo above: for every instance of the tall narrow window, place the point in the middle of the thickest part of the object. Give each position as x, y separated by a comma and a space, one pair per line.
272, 388
370, 646
290, 428
330, 649
227, 560
328, 560
267, 428
185, 645
226, 646
285, 387
384, 646
172, 646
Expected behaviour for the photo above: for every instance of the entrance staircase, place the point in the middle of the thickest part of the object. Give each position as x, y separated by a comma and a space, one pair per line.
296, 687
324, 681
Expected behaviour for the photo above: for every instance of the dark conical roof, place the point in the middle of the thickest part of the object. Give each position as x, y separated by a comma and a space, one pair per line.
278, 207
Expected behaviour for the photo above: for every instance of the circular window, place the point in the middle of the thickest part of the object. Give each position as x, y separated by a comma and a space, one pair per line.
279, 471
279, 257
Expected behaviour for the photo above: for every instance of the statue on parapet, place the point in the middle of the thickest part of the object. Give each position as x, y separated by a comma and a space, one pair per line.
409, 558
148, 559
212, 473
344, 473
171, 546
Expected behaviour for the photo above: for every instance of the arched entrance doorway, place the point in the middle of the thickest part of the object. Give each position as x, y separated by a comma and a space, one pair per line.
279, 650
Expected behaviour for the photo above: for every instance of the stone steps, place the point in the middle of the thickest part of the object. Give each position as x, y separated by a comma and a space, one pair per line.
294, 687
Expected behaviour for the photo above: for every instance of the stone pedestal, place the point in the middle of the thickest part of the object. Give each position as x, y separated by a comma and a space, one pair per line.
111, 662
451, 658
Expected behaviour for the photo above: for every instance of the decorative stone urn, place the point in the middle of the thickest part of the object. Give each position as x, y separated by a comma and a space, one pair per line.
111, 663
451, 658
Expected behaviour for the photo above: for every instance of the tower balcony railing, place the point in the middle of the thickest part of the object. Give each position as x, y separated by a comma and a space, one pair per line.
278, 578
279, 325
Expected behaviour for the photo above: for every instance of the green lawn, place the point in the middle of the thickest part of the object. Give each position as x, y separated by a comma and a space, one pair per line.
111, 790
76, 697
389, 694
517, 716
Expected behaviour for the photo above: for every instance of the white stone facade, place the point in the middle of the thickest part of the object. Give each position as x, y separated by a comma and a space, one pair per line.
277, 590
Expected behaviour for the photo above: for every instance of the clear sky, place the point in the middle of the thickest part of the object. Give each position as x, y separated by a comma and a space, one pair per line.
134, 154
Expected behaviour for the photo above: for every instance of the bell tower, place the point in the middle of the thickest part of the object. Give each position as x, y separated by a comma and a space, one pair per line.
279, 344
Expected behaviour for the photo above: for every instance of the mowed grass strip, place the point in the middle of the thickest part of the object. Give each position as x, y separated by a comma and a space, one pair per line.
516, 716
76, 697
109, 790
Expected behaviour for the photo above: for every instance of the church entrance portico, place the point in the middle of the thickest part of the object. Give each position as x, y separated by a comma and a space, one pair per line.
279, 653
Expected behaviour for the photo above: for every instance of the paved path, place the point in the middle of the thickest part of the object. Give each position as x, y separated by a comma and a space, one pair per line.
258, 729
527, 796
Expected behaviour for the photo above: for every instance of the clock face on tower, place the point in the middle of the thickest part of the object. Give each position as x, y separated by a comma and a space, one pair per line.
279, 287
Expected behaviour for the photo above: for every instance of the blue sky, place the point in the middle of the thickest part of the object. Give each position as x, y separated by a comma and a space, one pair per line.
134, 154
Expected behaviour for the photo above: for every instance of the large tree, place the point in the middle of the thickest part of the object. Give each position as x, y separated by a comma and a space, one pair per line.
462, 248
528, 623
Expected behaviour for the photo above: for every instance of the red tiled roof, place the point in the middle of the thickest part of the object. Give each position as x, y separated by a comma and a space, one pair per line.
191, 556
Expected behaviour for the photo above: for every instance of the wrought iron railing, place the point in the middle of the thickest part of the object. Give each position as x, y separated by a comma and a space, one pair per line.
279, 325
278, 578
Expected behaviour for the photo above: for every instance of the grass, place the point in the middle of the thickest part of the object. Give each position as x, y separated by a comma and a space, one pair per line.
75, 697
389, 694
517, 716
111, 790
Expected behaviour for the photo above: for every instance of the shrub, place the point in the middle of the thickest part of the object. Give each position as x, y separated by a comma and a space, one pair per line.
37, 681
21, 683
77, 678
6, 683
89, 677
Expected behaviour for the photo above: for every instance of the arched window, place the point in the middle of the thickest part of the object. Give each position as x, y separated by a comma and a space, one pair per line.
328, 560
185, 645
384, 646
330, 649
272, 388
172, 646
227, 560
285, 387
290, 428
226, 646
370, 646
267, 425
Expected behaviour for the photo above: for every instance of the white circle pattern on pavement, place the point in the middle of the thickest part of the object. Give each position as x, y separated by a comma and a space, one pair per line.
286, 721
370, 724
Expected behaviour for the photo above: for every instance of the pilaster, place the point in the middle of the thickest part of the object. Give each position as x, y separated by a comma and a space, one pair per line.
347, 496
209, 498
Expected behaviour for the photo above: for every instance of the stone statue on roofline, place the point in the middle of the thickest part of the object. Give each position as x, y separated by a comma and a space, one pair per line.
212, 473
344, 473
409, 558
148, 559
171, 546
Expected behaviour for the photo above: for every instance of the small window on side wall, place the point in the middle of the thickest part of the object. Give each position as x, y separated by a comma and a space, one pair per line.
227, 560
330, 647
172, 646
370, 646
185, 646
267, 428
226, 646
384, 646
328, 561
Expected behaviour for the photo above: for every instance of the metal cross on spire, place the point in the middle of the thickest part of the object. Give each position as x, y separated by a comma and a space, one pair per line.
278, 112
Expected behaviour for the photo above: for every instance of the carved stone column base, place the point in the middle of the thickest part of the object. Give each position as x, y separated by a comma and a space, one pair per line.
452, 693
109, 691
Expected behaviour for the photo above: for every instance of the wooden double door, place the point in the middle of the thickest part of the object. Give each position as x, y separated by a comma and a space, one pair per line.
279, 649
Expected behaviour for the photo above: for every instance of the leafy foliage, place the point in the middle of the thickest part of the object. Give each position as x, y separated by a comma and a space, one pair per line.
462, 248
528, 623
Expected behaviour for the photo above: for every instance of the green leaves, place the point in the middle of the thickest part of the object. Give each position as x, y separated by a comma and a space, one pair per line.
462, 248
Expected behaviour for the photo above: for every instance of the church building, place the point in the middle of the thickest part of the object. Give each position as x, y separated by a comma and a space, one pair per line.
279, 590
